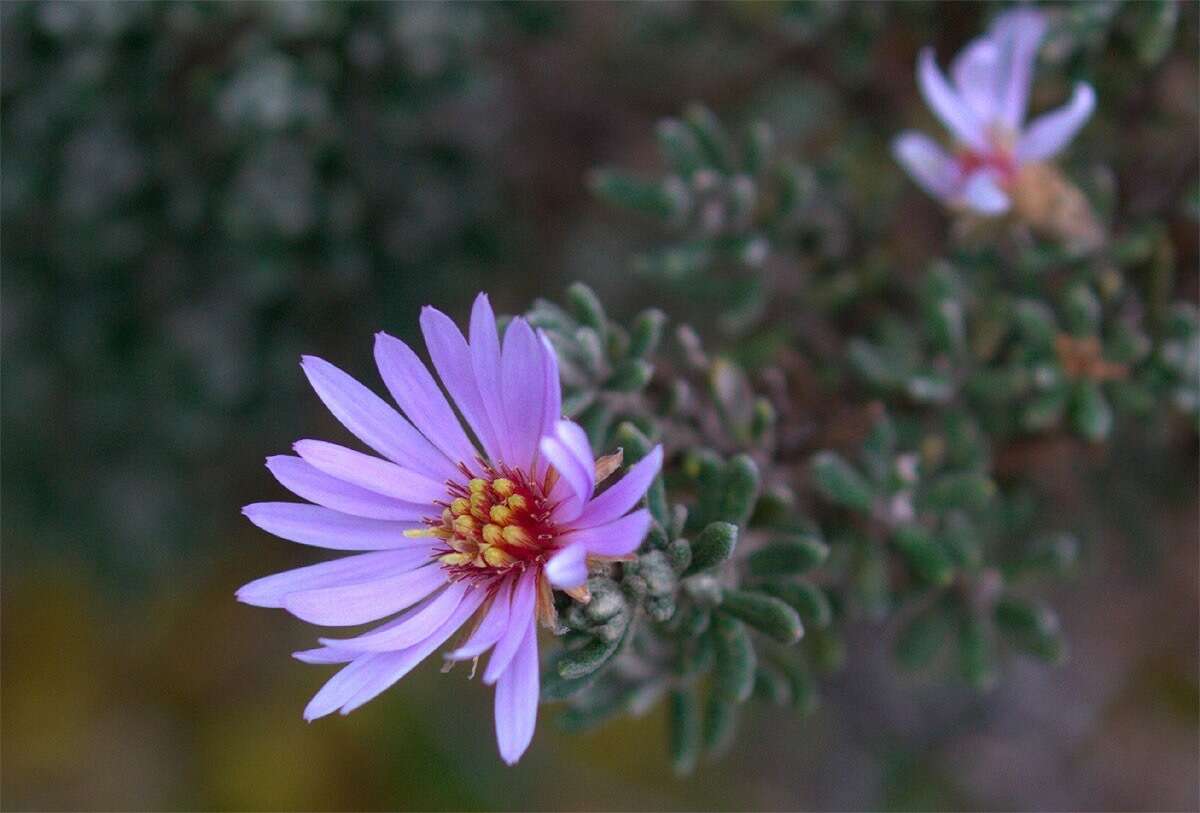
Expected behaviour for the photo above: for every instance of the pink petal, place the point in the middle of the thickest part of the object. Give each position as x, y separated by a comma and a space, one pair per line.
365, 601
485, 362
976, 72
1050, 132
524, 594
570, 453
369, 472
402, 662
623, 494
927, 164
414, 389
517, 699
452, 360
325, 528
372, 421
303, 480
551, 387
346, 683
523, 383
1018, 33
324, 654
617, 538
568, 567
982, 193
413, 629
947, 104
372, 673
270, 591
490, 628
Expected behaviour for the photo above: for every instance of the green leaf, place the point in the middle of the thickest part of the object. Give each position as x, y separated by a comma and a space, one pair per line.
767, 614
586, 307
576, 663
976, 654
800, 681
840, 482
733, 669
713, 546
661, 200
923, 555
631, 375
788, 557
771, 686
1091, 414
1081, 311
1036, 324
963, 490
679, 147
1032, 627
713, 140
758, 143
683, 721
740, 480
720, 717
646, 332
805, 598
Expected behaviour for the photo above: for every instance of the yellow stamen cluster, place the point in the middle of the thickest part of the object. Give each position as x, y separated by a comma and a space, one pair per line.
492, 524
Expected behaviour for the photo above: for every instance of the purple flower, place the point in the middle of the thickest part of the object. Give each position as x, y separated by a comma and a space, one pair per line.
457, 536
984, 109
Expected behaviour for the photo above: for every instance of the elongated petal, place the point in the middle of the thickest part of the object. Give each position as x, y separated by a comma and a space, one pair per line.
517, 699
976, 73
1050, 132
413, 630
523, 597
414, 389
369, 472
365, 601
983, 194
622, 495
452, 360
270, 591
324, 654
342, 686
303, 480
325, 528
490, 628
552, 387
373, 422
569, 452
523, 384
927, 164
485, 362
616, 538
1018, 33
568, 567
942, 99
401, 663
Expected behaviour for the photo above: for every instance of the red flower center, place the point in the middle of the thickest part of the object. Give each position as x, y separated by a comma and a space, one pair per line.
495, 522
997, 159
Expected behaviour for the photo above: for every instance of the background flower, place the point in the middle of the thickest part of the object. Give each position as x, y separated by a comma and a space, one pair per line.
984, 108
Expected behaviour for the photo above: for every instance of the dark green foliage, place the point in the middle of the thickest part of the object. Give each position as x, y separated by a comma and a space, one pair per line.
768, 615
684, 731
733, 670
713, 546
996, 339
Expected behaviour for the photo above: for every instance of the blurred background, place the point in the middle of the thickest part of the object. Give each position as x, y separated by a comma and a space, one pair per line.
193, 195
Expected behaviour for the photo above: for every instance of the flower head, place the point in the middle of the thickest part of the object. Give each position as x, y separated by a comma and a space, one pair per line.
984, 107
456, 535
